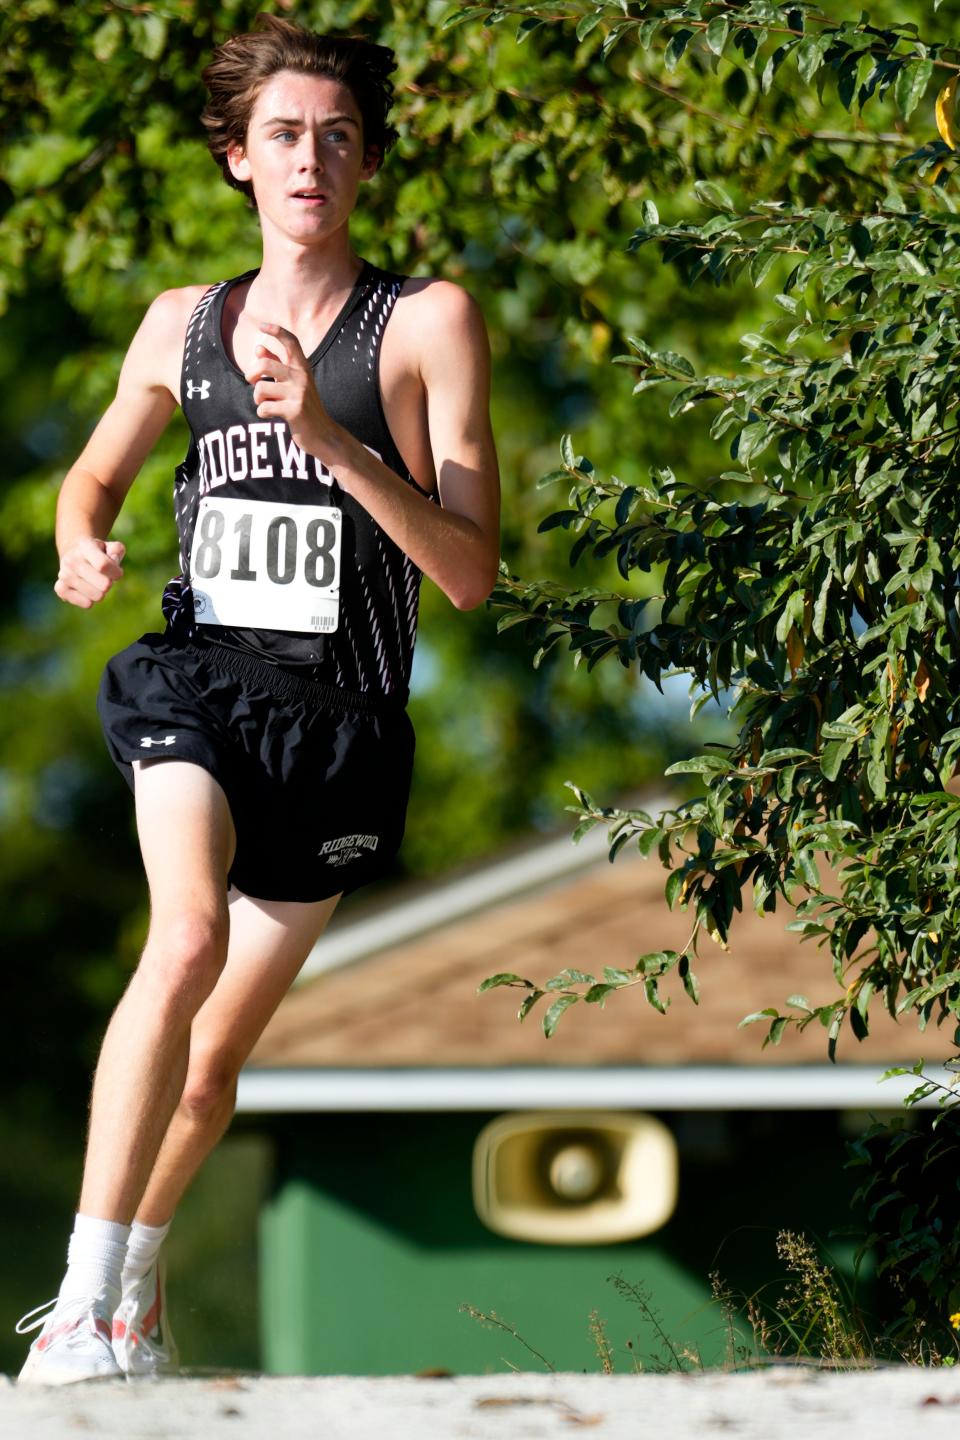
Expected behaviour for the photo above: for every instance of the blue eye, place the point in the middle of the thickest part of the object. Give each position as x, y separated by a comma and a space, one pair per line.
280, 134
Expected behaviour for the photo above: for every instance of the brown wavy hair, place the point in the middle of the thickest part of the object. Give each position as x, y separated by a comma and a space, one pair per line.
241, 64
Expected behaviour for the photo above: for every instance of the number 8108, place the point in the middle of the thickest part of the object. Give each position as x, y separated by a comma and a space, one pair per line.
279, 551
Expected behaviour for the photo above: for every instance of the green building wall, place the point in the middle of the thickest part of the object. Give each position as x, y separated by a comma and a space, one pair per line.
370, 1246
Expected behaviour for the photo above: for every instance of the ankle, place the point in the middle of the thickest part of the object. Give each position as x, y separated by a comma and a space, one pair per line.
143, 1248
95, 1256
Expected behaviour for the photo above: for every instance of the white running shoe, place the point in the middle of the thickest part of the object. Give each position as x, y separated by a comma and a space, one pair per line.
74, 1344
142, 1341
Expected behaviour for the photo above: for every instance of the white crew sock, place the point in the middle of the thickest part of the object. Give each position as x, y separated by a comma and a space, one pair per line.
95, 1258
143, 1247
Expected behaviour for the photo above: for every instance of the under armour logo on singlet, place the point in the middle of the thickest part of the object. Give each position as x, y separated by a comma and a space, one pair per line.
203, 389
146, 742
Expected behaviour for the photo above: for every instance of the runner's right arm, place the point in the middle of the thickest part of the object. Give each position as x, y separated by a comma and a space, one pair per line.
96, 485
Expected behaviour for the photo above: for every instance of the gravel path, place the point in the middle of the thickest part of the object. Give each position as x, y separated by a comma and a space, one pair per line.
892, 1403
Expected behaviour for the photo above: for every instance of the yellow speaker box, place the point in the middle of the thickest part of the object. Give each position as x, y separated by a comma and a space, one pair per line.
574, 1177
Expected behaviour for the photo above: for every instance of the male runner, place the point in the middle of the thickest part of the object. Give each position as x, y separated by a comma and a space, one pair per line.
340, 446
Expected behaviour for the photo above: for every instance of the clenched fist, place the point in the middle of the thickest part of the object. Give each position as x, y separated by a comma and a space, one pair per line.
284, 387
87, 571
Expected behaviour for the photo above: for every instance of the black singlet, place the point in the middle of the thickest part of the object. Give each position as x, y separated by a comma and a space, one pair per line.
235, 456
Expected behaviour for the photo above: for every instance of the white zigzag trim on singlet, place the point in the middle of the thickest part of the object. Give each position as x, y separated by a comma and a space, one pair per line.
388, 572
199, 312
390, 294
376, 632
411, 591
181, 481
357, 683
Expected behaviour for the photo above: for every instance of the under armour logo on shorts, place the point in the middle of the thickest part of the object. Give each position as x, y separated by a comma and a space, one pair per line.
203, 389
146, 742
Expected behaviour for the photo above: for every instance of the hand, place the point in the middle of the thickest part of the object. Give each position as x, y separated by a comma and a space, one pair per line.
283, 386
87, 571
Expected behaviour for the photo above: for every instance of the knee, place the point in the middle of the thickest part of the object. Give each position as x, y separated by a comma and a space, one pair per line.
210, 1089
184, 956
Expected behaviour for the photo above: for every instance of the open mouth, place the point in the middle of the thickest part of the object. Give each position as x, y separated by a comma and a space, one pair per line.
309, 197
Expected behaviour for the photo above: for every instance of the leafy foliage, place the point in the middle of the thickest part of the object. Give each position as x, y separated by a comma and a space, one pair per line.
815, 581
909, 1197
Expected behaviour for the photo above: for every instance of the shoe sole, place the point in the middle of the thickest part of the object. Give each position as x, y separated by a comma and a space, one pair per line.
36, 1374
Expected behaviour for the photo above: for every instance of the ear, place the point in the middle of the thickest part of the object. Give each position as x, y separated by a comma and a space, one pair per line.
238, 162
371, 163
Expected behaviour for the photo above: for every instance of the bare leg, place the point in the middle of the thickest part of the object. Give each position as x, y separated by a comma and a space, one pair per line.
269, 941
187, 841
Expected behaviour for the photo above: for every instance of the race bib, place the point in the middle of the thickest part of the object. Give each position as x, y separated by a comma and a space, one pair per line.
266, 566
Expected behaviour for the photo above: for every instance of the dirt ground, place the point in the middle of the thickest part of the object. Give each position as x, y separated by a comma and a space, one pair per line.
890, 1403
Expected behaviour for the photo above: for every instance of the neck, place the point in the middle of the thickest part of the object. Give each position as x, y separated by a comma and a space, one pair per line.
297, 283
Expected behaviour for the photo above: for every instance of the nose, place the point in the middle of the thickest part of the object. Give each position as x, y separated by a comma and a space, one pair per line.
309, 157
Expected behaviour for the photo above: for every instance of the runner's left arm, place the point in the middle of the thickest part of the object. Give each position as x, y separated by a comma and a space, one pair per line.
455, 543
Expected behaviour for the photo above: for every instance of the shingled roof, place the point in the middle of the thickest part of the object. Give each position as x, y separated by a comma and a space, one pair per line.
414, 1003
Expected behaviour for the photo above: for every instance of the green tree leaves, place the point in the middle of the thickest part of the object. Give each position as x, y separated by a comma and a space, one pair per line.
813, 586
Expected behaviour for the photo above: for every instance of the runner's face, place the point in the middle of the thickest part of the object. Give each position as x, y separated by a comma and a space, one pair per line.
305, 133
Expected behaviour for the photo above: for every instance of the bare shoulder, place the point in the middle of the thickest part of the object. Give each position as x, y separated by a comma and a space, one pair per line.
437, 315
155, 355
148, 392
428, 297
171, 309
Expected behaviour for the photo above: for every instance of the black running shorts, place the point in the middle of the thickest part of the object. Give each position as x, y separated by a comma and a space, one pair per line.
317, 779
